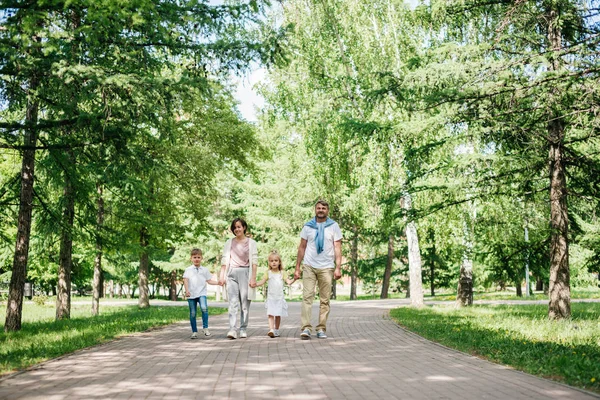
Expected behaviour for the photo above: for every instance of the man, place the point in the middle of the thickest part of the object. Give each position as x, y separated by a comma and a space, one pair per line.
320, 253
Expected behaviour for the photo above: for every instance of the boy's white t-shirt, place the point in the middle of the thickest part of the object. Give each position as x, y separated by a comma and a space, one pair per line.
326, 259
197, 278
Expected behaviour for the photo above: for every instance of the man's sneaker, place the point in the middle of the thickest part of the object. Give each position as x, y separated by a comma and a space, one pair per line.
206, 332
276, 332
243, 334
321, 335
194, 335
305, 334
271, 333
232, 334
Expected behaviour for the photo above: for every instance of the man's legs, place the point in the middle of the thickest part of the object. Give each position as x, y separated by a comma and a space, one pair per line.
309, 283
325, 279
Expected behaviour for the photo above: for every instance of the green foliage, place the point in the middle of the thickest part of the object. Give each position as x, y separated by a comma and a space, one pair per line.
518, 336
40, 300
134, 102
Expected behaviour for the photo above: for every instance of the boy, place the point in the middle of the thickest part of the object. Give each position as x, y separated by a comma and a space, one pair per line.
195, 279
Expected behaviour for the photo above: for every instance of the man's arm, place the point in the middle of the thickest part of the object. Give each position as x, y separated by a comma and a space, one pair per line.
337, 248
300, 257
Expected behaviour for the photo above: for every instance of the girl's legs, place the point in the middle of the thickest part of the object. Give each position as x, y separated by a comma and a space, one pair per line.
277, 322
204, 310
271, 322
192, 304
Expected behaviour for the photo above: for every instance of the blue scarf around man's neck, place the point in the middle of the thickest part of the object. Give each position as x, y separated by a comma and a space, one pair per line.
320, 227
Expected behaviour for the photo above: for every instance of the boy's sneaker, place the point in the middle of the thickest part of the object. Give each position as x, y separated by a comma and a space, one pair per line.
206, 332
321, 334
276, 332
232, 334
271, 333
243, 334
305, 335
194, 335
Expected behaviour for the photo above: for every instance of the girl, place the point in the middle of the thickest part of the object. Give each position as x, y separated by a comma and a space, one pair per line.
275, 304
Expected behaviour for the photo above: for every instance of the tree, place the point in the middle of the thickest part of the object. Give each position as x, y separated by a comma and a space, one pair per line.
99, 86
504, 75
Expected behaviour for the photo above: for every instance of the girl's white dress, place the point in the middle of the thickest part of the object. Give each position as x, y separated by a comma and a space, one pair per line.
275, 303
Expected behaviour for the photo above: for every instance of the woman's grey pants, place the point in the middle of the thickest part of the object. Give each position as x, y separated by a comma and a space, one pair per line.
237, 293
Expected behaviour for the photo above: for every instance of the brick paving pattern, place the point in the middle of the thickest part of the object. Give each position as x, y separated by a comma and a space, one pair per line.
366, 356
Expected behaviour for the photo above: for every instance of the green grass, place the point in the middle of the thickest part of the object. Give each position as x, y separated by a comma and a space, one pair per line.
520, 336
42, 338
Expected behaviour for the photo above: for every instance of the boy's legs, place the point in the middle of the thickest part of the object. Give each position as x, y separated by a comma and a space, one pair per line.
325, 279
233, 294
192, 305
204, 310
309, 282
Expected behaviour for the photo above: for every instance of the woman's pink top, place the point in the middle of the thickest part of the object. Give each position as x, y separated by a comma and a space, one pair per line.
240, 253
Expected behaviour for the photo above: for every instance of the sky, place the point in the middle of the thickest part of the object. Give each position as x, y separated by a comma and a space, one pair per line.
249, 100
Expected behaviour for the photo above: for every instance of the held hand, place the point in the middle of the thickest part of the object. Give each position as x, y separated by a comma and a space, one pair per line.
337, 274
297, 274
252, 283
187, 293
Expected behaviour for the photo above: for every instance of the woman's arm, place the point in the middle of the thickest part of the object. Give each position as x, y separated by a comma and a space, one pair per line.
225, 261
253, 257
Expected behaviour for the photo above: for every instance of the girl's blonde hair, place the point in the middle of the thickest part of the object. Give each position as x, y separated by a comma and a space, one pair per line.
275, 253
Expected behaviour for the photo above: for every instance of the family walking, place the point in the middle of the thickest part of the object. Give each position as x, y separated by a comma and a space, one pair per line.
318, 263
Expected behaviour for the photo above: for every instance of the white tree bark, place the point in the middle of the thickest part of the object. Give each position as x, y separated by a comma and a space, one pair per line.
414, 258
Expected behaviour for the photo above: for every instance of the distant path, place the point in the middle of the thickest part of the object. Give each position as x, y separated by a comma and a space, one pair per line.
366, 356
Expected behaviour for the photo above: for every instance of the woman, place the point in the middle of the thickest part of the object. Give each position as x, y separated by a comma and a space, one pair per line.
238, 271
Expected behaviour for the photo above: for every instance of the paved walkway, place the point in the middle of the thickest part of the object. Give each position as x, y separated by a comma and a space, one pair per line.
366, 356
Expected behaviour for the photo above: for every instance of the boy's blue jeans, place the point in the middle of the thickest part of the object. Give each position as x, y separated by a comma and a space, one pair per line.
193, 304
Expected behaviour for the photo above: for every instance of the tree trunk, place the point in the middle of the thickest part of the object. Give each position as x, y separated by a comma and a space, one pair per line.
432, 268
14, 306
387, 275
560, 290
518, 287
464, 292
354, 263
414, 258
173, 287
144, 269
539, 284
97, 283
63, 295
